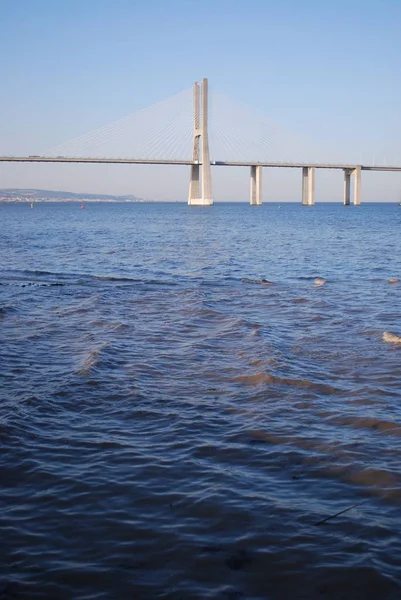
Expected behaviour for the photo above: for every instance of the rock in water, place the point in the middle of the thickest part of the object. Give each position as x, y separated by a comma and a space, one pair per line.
391, 338
320, 281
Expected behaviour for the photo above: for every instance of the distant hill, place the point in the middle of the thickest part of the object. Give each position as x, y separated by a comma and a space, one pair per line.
16, 194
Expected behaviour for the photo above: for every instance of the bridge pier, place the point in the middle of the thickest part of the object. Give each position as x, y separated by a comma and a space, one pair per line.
200, 179
347, 187
357, 186
308, 186
256, 185
194, 183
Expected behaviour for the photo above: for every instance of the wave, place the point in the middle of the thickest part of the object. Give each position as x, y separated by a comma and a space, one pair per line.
91, 360
6, 309
261, 378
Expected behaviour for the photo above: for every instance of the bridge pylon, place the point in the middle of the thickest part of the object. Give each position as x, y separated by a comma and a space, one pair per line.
200, 185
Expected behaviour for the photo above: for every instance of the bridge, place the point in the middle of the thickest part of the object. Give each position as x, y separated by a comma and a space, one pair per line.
200, 163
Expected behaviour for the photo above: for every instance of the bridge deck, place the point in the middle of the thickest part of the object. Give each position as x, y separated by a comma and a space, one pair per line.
150, 161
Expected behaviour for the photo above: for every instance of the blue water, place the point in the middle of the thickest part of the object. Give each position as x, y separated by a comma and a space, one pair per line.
172, 427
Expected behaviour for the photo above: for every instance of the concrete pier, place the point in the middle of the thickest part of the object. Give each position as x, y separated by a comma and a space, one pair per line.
207, 196
194, 182
356, 173
347, 187
256, 185
357, 186
308, 186
197, 196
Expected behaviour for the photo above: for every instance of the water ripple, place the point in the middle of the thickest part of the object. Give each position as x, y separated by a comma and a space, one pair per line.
180, 405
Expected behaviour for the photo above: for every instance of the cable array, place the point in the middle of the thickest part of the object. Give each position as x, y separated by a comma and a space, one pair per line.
164, 131
238, 134
161, 131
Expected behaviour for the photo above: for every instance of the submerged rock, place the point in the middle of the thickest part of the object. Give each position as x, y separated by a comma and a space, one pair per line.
257, 281
391, 338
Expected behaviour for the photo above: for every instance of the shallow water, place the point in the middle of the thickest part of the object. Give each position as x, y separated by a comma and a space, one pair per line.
171, 428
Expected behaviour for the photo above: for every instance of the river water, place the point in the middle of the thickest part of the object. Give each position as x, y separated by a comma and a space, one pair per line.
171, 428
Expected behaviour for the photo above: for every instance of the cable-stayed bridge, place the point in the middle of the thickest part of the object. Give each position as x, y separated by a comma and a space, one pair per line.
192, 129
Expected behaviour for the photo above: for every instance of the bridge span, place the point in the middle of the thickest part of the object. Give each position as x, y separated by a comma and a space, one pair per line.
200, 187
217, 163
308, 172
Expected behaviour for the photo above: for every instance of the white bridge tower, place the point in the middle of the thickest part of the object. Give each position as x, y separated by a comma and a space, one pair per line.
200, 189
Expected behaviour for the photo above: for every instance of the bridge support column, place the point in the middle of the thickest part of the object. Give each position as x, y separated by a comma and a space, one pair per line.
347, 187
194, 185
197, 196
256, 186
308, 186
357, 186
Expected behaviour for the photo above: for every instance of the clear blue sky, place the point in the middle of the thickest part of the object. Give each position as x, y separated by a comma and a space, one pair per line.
327, 71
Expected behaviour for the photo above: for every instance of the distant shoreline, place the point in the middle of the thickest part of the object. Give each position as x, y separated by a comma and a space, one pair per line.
41, 195
71, 200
